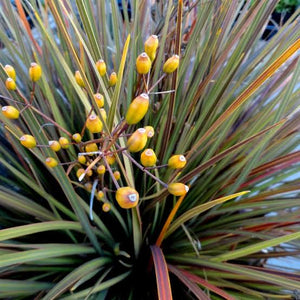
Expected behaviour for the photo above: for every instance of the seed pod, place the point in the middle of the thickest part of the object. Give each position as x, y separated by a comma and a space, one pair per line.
10, 112
76, 137
35, 72
79, 79
148, 158
171, 64
151, 45
127, 197
28, 141
137, 109
81, 159
79, 172
10, 71
101, 67
10, 84
100, 195
178, 189
54, 145
113, 79
99, 100
106, 207
177, 162
103, 114
93, 124
91, 148
149, 131
137, 140
111, 159
51, 162
64, 142
143, 63
117, 175
88, 186
101, 169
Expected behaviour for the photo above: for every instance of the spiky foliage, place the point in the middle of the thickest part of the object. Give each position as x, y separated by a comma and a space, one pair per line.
231, 108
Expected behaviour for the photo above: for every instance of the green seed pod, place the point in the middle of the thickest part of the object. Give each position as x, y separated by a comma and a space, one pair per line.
143, 63
113, 79
99, 100
127, 197
10, 71
64, 142
54, 145
28, 141
93, 124
171, 64
101, 67
51, 162
178, 189
137, 140
151, 45
177, 162
35, 72
79, 79
148, 158
10, 84
10, 112
137, 109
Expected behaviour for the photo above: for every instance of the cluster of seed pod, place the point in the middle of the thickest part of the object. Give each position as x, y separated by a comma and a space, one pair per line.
97, 156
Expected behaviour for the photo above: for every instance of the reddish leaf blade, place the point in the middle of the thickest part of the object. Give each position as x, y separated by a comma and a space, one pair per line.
162, 274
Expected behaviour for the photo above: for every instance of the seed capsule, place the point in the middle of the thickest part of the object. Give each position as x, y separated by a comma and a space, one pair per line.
76, 137
137, 109
64, 142
51, 162
113, 79
178, 189
111, 159
54, 145
79, 79
35, 72
148, 158
177, 162
10, 84
151, 45
10, 112
117, 175
79, 172
28, 141
106, 207
101, 169
10, 71
99, 100
100, 194
91, 148
88, 186
143, 63
171, 64
149, 131
81, 159
137, 140
93, 124
103, 114
127, 197
101, 67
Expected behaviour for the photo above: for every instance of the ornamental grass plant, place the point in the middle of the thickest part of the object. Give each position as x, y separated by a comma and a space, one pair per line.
148, 152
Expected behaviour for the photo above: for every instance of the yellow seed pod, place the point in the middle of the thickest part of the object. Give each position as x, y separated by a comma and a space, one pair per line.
64, 142
103, 114
91, 148
137, 109
51, 162
137, 140
35, 72
171, 64
10, 112
111, 159
101, 169
76, 137
28, 141
149, 131
88, 186
79, 79
127, 197
99, 100
54, 145
117, 175
10, 84
100, 195
93, 124
148, 158
101, 67
151, 45
10, 71
79, 172
178, 189
106, 207
143, 63
81, 159
113, 79
177, 162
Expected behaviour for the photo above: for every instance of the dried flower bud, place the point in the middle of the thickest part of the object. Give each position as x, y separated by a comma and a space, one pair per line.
178, 189
143, 63
100, 195
111, 159
10, 112
10, 84
76, 137
137, 140
127, 197
117, 175
99, 100
151, 45
91, 148
51, 162
137, 109
177, 162
113, 79
148, 158
79, 79
81, 159
64, 142
101, 67
10, 71
106, 207
149, 131
93, 124
101, 169
54, 145
103, 114
28, 141
171, 64
35, 72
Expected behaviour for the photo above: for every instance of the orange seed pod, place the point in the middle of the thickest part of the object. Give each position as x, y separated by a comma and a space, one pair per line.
99, 100
79, 79
64, 142
54, 145
113, 79
35, 72
143, 63
148, 158
101, 169
51, 162
28, 141
106, 207
10, 112
10, 84
151, 45
178, 189
127, 197
149, 131
137, 140
171, 64
76, 137
177, 162
10, 71
137, 109
101, 67
93, 124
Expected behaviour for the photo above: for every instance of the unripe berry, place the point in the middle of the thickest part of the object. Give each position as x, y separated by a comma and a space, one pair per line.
54, 145
10, 71
101, 67
137, 109
117, 175
113, 79
149, 131
143, 63
171, 64
137, 140
91, 148
148, 158
76, 137
151, 45
10, 112
178, 189
79, 79
93, 124
127, 197
177, 162
81, 159
35, 72
51, 162
101, 169
64, 142
28, 141
111, 159
99, 100
10, 84
106, 207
